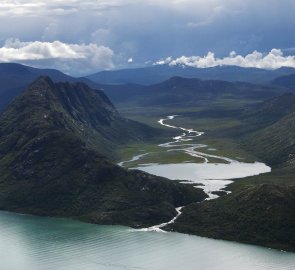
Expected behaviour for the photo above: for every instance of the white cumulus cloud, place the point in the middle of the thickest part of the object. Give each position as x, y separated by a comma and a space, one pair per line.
271, 60
67, 57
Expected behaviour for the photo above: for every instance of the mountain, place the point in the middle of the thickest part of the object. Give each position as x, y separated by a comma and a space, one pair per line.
88, 113
267, 130
267, 112
14, 78
168, 89
287, 81
275, 143
260, 209
158, 73
260, 214
53, 138
178, 91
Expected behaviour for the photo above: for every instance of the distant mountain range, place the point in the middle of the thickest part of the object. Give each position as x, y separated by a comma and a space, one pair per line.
167, 85
178, 91
160, 73
54, 139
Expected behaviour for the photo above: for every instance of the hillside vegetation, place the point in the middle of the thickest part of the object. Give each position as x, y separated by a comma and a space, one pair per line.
54, 140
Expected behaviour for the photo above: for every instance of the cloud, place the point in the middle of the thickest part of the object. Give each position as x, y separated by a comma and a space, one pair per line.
130, 60
67, 57
152, 29
272, 60
33, 8
56, 7
166, 61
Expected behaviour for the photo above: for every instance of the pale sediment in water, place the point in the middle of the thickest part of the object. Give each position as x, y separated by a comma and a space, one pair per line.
135, 158
212, 175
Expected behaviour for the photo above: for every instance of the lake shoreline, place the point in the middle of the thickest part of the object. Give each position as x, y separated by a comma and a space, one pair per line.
37, 243
183, 223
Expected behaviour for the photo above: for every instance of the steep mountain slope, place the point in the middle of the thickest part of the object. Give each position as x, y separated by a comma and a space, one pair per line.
275, 144
51, 140
85, 112
265, 113
14, 78
157, 74
267, 130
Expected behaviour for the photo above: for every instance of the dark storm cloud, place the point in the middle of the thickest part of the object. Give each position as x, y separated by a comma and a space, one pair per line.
151, 29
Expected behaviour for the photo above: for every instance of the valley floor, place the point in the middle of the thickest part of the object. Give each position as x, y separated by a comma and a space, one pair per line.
246, 215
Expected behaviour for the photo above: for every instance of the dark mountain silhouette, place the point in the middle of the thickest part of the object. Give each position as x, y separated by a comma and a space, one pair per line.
178, 91
156, 74
53, 138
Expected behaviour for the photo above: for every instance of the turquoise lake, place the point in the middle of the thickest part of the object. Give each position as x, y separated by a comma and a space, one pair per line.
42, 243
37, 243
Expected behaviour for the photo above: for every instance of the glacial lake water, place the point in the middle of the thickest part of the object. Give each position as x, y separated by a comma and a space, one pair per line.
39, 243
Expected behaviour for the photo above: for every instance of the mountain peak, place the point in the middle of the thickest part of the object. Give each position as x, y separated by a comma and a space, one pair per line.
54, 140
44, 79
74, 107
75, 98
42, 84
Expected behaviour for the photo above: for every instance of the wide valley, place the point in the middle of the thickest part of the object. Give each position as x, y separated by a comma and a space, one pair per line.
31, 243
